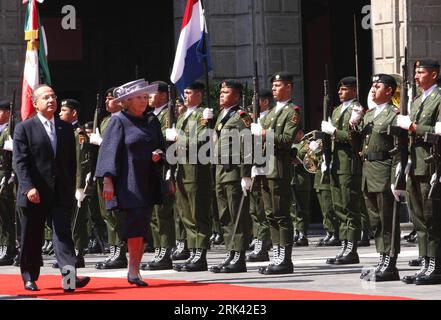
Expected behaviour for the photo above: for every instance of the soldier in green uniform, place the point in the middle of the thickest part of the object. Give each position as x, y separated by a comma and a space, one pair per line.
233, 177
301, 188
322, 188
193, 180
261, 228
346, 170
162, 224
378, 175
279, 127
117, 258
426, 213
7, 207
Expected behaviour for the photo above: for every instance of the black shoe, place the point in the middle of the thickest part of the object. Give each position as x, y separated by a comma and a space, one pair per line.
118, 260
424, 266
49, 249
237, 264
44, 247
213, 236
363, 243
411, 235
137, 281
388, 271
31, 286
350, 256
302, 241
432, 274
260, 256
218, 240
296, 236
81, 282
112, 249
283, 263
228, 258
162, 262
325, 239
181, 252
8, 256
339, 255
79, 262
55, 265
94, 247
179, 266
375, 269
199, 262
416, 262
334, 241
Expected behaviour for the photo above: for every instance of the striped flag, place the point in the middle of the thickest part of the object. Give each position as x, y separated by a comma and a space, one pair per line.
36, 69
193, 49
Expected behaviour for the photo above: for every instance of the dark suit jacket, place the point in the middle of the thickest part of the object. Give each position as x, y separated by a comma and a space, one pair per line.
36, 166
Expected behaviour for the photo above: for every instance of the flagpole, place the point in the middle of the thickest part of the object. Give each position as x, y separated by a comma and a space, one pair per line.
204, 48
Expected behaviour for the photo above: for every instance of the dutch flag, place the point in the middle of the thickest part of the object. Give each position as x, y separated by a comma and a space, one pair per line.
193, 48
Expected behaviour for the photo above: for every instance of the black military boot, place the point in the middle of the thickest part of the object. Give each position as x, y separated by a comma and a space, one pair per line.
119, 259
339, 254
350, 256
323, 240
144, 266
416, 262
199, 262
112, 248
79, 260
274, 260
411, 237
364, 242
259, 253
8, 255
162, 262
388, 271
213, 236
283, 265
181, 252
49, 248
237, 264
179, 266
252, 244
364, 275
432, 274
296, 235
219, 239
334, 241
228, 258
94, 247
302, 241
44, 247
423, 269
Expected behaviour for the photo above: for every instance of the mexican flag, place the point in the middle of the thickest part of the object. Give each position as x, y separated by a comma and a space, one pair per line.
36, 70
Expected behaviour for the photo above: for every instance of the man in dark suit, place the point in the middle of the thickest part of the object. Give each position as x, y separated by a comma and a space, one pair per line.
44, 162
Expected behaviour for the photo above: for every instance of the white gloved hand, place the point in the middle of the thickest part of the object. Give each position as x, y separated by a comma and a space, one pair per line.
171, 134
406, 170
256, 129
168, 175
433, 179
245, 184
79, 195
208, 114
438, 128
313, 145
2, 181
328, 128
95, 138
9, 144
356, 115
404, 122
397, 193
257, 171
88, 176
323, 167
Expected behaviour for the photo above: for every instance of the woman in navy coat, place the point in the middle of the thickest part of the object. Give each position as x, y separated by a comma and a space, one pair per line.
129, 161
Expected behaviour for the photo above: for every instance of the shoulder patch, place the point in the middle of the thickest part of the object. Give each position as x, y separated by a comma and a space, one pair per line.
245, 117
296, 118
203, 122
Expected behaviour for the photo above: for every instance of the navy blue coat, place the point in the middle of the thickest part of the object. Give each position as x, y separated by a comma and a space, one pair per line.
126, 155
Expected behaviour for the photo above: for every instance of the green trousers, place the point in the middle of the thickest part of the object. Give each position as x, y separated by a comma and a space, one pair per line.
260, 224
301, 204
163, 224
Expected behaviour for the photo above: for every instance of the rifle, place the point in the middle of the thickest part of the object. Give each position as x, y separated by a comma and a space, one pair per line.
435, 160
96, 113
7, 155
171, 186
326, 138
401, 135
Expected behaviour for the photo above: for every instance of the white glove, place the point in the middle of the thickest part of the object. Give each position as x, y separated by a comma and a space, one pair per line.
9, 144
404, 122
88, 176
171, 134
437, 129
2, 181
79, 195
313, 145
433, 179
246, 184
356, 114
323, 167
95, 138
256, 129
406, 170
397, 193
168, 175
328, 128
257, 171
208, 114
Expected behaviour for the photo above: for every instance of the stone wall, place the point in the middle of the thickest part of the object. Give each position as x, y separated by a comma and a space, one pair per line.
12, 47
277, 45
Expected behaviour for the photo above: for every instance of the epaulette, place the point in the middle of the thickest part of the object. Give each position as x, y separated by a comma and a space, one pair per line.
245, 117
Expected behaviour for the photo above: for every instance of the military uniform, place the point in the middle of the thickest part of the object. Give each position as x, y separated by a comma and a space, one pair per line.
425, 213
229, 175
193, 192
7, 208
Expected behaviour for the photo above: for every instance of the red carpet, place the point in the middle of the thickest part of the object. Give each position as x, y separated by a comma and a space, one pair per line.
120, 289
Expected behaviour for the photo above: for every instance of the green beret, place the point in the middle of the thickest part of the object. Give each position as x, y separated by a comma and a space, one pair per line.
348, 82
427, 63
266, 94
162, 86
282, 76
5, 104
70, 103
386, 79
197, 85
233, 84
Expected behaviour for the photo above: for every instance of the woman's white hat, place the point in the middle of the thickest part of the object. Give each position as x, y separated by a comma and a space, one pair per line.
133, 89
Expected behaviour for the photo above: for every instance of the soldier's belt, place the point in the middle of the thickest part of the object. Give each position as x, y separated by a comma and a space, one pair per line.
377, 156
